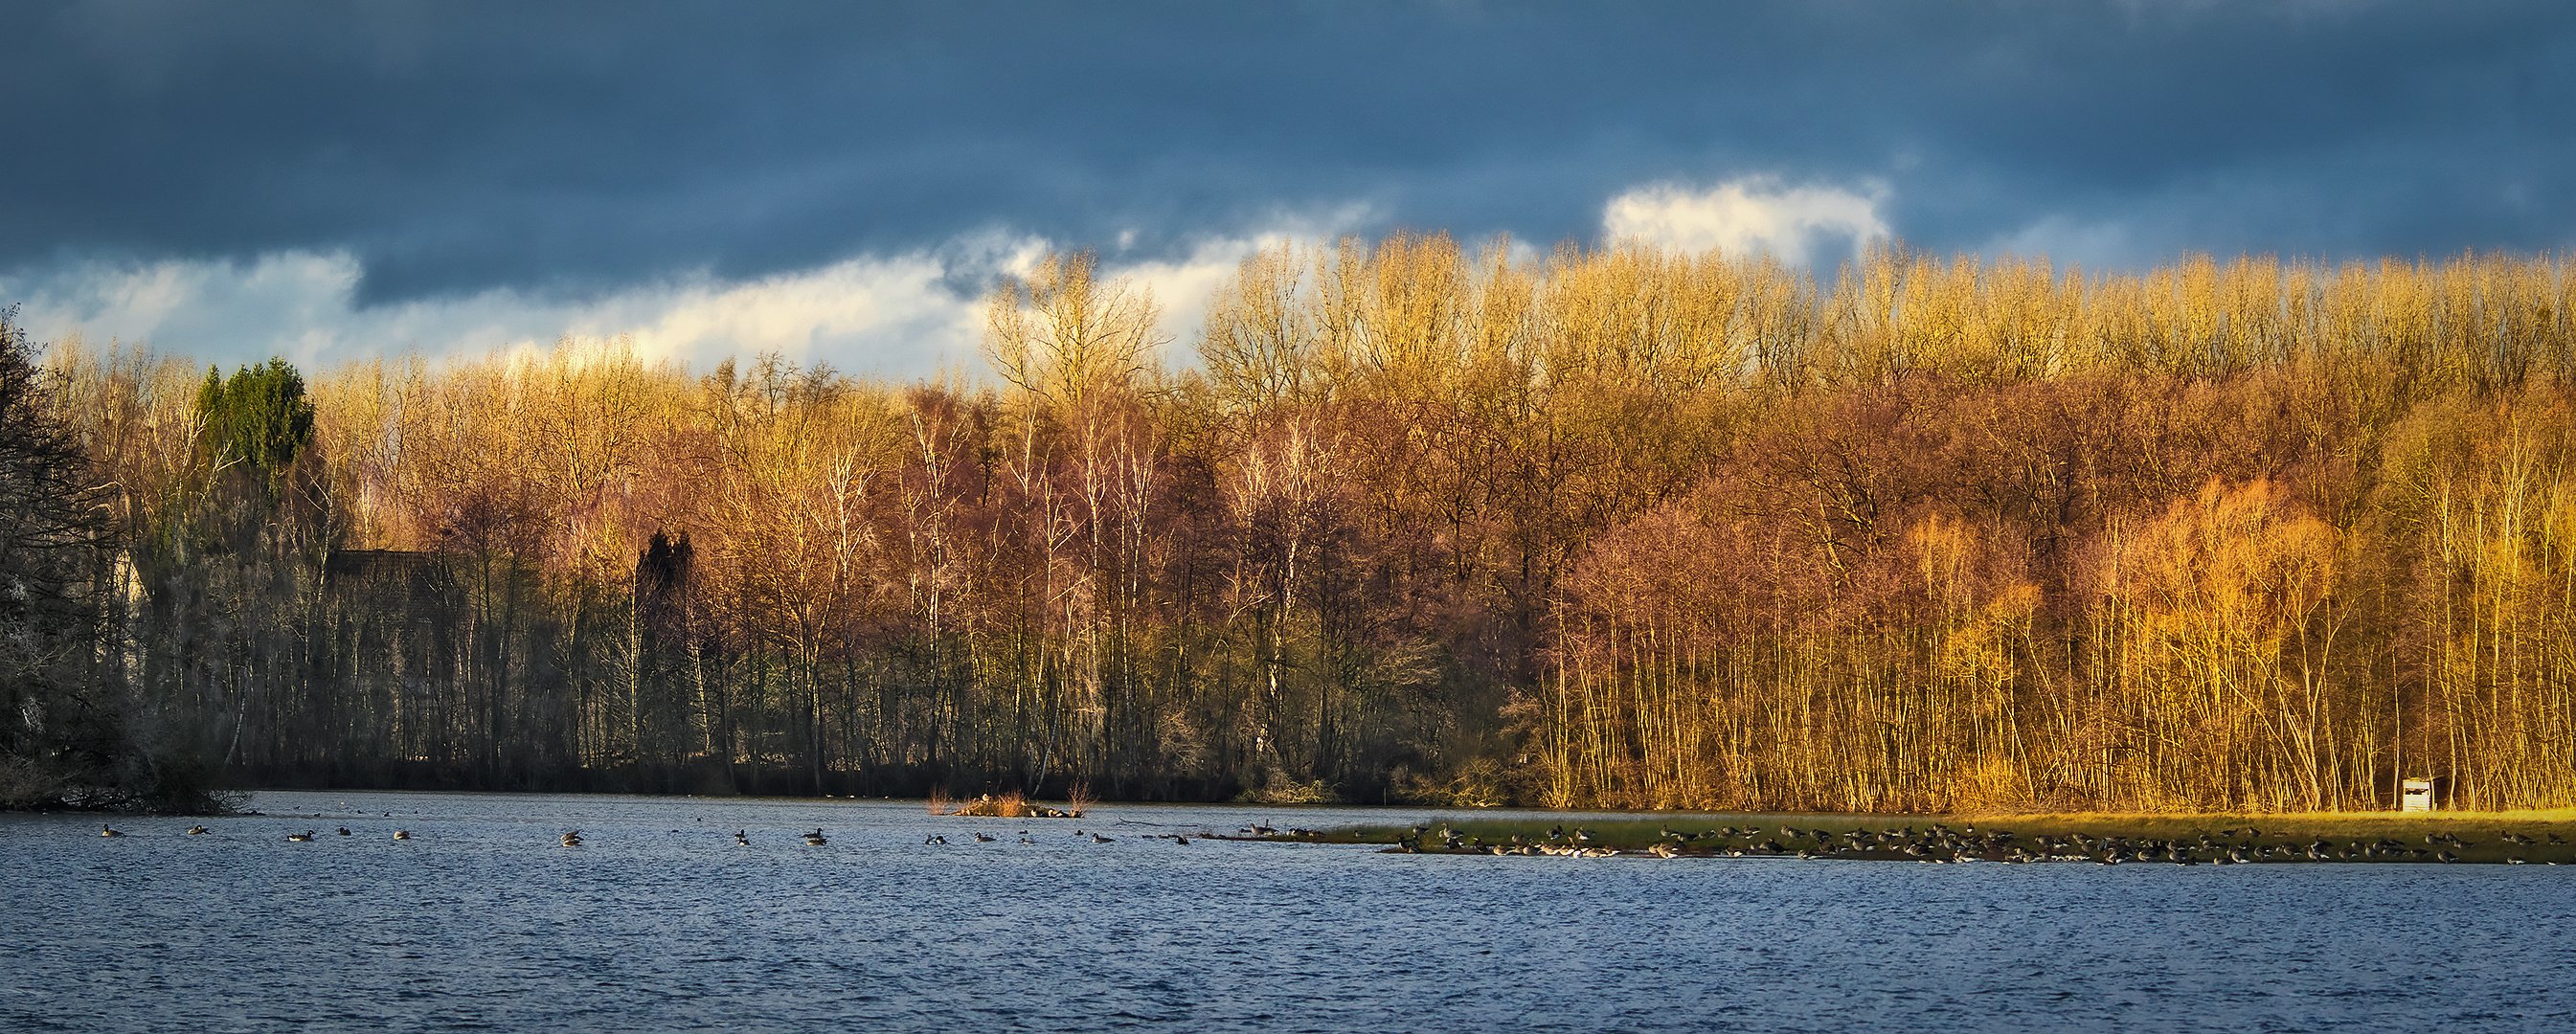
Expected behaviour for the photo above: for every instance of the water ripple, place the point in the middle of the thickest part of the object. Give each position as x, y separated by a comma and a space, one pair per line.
660, 922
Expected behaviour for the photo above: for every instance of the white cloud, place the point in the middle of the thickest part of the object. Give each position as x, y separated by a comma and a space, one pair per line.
890, 315
1747, 216
884, 313
904, 315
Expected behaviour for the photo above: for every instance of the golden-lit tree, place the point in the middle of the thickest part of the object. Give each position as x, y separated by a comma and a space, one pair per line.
1618, 526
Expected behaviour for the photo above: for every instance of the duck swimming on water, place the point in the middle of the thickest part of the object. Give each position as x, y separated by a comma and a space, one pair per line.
107, 831
402, 834
572, 839
815, 838
305, 837
742, 838
198, 831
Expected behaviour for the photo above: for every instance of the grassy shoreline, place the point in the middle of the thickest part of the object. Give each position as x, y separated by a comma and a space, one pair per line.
2521, 837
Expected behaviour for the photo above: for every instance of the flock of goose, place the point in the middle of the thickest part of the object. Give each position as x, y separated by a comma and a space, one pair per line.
1936, 843
306, 837
741, 837
1941, 843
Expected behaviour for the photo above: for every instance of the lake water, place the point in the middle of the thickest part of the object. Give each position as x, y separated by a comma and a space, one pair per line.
659, 921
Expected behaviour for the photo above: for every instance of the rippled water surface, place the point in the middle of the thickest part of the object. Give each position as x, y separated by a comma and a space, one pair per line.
659, 921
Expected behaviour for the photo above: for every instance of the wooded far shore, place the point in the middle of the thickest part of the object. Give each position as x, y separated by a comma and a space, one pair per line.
1407, 521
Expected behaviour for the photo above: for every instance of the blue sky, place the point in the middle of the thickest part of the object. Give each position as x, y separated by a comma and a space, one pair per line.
840, 181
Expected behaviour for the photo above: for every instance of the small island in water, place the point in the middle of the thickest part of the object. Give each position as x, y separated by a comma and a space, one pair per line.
2518, 838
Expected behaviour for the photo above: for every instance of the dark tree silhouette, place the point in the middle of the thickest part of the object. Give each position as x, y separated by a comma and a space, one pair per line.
63, 733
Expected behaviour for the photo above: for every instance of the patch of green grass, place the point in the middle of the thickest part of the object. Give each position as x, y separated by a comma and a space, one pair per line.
2535, 837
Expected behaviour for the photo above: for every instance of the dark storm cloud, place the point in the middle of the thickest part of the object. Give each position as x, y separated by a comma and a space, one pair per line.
454, 147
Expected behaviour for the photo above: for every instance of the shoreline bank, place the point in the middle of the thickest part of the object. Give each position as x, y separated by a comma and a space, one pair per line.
2513, 838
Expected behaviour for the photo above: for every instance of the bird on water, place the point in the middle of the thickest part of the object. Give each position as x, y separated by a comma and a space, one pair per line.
815, 838
106, 830
402, 834
742, 838
305, 837
572, 839
198, 831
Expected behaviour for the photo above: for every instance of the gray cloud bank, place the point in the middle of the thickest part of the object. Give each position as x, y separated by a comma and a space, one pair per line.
555, 154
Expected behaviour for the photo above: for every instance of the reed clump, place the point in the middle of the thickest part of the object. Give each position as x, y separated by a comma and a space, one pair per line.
1010, 805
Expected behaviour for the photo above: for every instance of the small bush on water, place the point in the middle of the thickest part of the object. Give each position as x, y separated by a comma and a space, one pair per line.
1013, 805
1283, 790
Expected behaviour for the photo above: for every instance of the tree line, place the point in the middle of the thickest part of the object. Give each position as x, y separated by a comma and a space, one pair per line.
1607, 527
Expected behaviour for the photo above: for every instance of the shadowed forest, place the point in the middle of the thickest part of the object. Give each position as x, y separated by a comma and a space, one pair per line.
1409, 521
